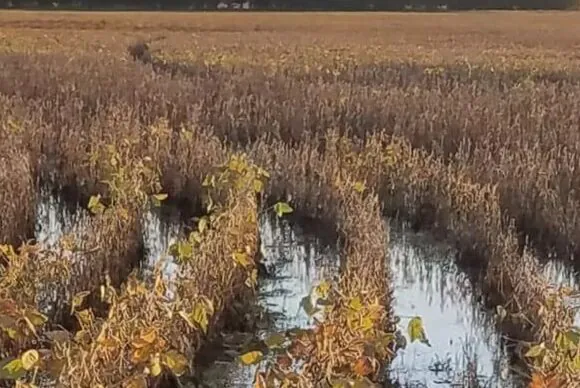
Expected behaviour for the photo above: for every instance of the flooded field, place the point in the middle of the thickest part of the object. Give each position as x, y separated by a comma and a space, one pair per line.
296, 263
464, 348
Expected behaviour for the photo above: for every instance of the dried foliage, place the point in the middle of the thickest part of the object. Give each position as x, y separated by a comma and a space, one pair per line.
475, 141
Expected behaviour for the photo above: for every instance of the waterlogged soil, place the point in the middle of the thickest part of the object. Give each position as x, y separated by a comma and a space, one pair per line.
464, 348
295, 262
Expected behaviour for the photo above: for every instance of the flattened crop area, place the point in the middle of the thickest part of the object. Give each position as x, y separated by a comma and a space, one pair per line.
174, 138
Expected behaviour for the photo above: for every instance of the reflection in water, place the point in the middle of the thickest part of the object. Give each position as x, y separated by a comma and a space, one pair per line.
464, 345
54, 219
562, 274
296, 264
159, 233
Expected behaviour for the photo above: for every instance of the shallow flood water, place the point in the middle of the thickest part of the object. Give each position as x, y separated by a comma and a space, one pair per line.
562, 274
465, 348
296, 263
426, 283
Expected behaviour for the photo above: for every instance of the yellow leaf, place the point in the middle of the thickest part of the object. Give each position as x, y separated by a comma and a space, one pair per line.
186, 318
355, 304
251, 358
199, 316
416, 330
160, 197
242, 259
149, 336
141, 354
359, 187
36, 318
11, 369
29, 359
155, 367
258, 186
176, 362
78, 299
136, 382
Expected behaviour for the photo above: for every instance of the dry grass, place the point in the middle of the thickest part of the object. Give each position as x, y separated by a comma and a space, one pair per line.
461, 125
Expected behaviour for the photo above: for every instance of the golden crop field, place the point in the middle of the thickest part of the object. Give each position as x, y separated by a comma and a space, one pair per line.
466, 125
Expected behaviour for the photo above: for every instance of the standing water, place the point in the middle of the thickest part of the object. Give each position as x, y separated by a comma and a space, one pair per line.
296, 263
464, 349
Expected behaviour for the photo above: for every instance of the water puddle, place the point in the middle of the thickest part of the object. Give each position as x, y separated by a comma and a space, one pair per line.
465, 349
161, 228
562, 274
295, 263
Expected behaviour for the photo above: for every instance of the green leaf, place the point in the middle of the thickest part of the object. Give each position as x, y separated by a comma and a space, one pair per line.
282, 208
11, 369
251, 358
536, 351
416, 331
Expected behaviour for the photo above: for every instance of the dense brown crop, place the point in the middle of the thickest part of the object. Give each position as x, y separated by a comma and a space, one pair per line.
466, 124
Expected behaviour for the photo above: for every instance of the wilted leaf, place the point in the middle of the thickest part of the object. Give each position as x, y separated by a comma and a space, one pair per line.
199, 316
536, 351
29, 359
258, 186
362, 367
322, 289
309, 308
95, 206
282, 208
155, 368
355, 304
275, 340
242, 259
202, 225
252, 279
160, 197
501, 312
416, 331
136, 382
36, 318
176, 362
251, 358
11, 369
149, 336
140, 355
359, 187
62, 336
78, 299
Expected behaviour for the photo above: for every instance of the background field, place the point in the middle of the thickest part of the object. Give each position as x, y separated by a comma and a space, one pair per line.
463, 124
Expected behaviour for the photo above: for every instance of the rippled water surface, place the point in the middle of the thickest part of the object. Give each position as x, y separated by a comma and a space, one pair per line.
464, 345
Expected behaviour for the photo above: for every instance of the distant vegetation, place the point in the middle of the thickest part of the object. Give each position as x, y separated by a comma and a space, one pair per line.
465, 125
392, 5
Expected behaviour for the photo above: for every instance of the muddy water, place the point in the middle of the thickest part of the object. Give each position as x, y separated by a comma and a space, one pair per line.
296, 263
465, 349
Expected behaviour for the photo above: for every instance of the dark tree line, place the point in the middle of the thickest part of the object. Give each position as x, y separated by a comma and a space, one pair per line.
300, 4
